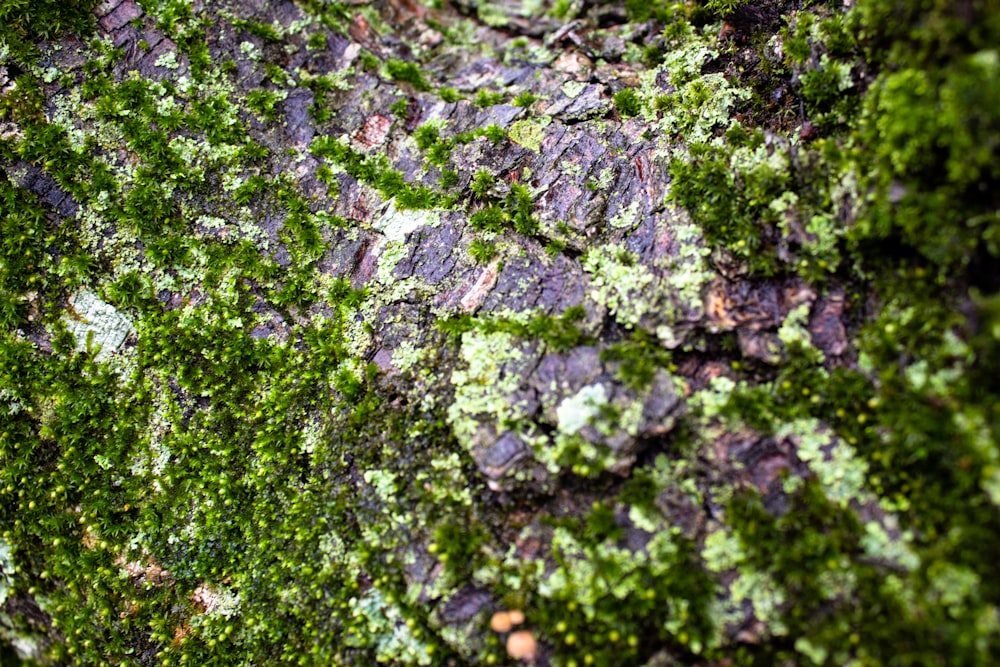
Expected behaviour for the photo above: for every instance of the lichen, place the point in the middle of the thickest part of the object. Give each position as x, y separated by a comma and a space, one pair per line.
529, 132
96, 324
621, 283
481, 386
247, 479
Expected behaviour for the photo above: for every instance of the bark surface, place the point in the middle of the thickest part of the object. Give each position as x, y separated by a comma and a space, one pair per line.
561, 333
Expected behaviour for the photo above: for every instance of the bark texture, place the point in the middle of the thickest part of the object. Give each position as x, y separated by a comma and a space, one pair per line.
480, 333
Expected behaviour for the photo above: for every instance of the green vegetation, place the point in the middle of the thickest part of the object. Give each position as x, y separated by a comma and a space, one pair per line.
375, 171
724, 7
482, 251
525, 99
627, 103
23, 23
407, 72
449, 94
270, 462
487, 98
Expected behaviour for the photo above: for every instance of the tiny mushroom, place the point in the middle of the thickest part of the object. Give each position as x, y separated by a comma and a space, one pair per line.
500, 622
503, 621
521, 645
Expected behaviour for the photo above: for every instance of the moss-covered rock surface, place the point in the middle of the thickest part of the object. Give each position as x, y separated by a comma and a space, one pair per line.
468, 333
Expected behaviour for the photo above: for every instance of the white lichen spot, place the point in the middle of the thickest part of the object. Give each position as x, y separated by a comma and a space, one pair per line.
582, 408
396, 225
97, 324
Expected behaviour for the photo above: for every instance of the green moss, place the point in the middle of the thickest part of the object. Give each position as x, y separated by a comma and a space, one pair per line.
561, 333
482, 183
400, 108
407, 72
267, 32
201, 495
525, 99
449, 94
724, 7
482, 251
26, 23
627, 102
375, 171
485, 98
263, 102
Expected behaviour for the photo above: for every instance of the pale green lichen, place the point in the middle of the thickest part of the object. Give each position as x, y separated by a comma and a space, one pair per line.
250, 51
953, 586
897, 548
482, 389
699, 104
626, 218
6, 570
529, 132
816, 653
96, 324
390, 254
623, 286
578, 578
572, 89
219, 602
710, 402
395, 225
168, 60
395, 642
794, 333
839, 469
408, 356
584, 407
492, 15
687, 273
724, 552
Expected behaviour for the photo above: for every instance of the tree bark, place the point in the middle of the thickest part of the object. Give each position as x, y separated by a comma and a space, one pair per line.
384, 332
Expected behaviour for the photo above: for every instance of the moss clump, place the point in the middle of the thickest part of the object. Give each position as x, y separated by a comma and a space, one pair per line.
24, 23
482, 251
407, 72
627, 102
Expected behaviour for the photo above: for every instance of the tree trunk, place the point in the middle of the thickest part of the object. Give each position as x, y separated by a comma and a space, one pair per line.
464, 333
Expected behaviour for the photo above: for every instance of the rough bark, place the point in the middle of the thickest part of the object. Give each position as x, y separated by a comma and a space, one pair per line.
334, 332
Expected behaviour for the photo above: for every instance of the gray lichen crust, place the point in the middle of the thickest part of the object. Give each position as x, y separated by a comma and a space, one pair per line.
96, 324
